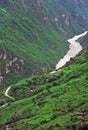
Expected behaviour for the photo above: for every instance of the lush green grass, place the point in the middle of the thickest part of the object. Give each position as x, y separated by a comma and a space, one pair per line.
26, 36
50, 101
37, 32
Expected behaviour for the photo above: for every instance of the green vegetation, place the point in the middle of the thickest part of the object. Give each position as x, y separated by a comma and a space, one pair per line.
50, 101
33, 37
23, 35
84, 40
36, 32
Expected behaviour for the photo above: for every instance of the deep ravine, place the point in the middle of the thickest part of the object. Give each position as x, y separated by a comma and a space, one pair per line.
74, 49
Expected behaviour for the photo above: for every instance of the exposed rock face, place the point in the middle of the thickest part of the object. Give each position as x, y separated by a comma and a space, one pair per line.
1, 78
67, 21
83, 126
9, 63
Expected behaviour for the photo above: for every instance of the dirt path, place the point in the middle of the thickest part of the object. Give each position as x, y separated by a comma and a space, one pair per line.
7, 91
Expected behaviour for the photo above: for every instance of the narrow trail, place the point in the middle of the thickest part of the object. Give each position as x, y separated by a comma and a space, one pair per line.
7, 95
7, 91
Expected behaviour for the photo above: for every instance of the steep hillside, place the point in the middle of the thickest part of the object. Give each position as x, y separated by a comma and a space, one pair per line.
71, 15
33, 35
84, 40
50, 101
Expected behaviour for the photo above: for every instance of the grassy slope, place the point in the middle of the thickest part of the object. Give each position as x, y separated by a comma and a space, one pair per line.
40, 43
70, 9
84, 40
26, 38
37, 42
50, 102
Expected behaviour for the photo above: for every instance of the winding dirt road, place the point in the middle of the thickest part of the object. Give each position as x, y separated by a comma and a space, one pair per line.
7, 91
7, 95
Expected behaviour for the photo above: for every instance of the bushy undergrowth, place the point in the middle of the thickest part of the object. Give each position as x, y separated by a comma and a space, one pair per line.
50, 101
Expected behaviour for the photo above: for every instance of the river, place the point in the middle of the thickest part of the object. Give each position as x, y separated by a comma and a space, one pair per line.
74, 49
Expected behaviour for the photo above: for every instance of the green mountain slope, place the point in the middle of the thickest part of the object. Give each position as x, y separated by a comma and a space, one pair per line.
84, 40
33, 35
50, 101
